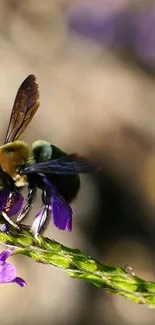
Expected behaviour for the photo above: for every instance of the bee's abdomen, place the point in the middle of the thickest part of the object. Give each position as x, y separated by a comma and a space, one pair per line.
67, 185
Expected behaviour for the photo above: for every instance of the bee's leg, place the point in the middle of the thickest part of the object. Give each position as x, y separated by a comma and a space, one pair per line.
4, 213
42, 218
29, 200
11, 222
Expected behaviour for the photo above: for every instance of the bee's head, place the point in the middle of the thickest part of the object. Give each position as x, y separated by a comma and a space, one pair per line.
13, 155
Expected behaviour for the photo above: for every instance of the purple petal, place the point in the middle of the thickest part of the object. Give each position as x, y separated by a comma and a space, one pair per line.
16, 205
69, 224
60, 209
5, 254
4, 228
62, 213
20, 282
7, 273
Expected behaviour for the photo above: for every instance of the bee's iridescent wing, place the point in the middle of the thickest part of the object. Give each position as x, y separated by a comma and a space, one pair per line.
25, 106
69, 165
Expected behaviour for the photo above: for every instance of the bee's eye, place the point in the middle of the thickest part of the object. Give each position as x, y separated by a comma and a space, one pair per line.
17, 169
8, 152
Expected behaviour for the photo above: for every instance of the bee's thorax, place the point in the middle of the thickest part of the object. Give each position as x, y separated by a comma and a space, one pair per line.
41, 151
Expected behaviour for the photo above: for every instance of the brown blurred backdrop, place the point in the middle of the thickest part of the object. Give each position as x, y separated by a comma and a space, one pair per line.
102, 105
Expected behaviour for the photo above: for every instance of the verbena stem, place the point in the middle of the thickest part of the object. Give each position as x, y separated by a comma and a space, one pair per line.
79, 266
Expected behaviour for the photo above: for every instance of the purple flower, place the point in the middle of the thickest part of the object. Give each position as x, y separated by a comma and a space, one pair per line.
60, 210
14, 204
8, 271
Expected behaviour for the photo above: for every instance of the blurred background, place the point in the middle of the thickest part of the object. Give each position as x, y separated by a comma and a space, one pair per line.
95, 65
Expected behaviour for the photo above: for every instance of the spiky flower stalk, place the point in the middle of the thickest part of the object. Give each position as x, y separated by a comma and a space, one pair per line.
79, 266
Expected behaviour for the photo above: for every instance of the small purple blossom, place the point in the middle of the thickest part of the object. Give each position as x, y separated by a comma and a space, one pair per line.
8, 271
60, 210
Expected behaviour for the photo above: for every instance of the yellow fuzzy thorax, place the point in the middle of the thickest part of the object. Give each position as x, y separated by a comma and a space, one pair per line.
12, 155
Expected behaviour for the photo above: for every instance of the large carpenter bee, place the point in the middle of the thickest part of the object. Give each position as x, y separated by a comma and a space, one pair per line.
44, 166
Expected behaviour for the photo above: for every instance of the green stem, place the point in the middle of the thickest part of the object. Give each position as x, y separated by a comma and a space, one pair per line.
79, 266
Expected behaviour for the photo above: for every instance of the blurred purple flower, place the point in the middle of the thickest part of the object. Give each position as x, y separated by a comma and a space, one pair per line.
60, 210
8, 271
144, 39
108, 23
112, 24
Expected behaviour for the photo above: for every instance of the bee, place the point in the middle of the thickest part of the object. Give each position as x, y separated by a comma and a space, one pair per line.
43, 166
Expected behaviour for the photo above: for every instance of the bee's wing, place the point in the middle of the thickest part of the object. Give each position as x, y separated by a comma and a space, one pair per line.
25, 105
69, 165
